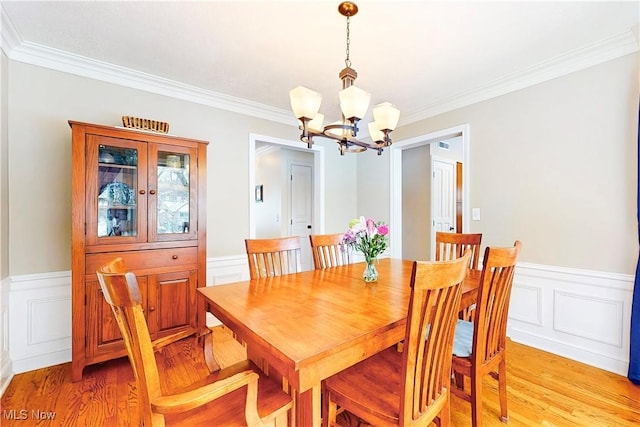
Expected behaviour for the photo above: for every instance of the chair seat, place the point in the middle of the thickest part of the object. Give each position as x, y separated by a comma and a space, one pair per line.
271, 401
373, 386
463, 339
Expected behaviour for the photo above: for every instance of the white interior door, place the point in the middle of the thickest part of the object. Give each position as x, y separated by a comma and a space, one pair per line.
301, 202
443, 198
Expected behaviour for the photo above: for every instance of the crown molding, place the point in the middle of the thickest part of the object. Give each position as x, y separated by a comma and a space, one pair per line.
19, 50
59, 60
576, 60
9, 37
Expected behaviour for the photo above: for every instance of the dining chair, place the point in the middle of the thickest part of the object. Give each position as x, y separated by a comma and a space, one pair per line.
479, 346
235, 395
273, 257
328, 251
453, 245
411, 387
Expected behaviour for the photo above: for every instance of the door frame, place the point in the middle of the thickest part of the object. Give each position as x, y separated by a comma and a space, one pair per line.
395, 179
318, 178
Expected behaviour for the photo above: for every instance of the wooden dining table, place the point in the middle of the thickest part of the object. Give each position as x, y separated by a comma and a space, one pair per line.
308, 326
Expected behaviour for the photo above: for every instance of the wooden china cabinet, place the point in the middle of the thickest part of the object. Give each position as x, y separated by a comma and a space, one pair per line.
141, 196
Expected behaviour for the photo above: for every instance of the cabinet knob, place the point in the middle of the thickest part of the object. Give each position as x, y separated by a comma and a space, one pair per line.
174, 257
142, 192
152, 191
152, 308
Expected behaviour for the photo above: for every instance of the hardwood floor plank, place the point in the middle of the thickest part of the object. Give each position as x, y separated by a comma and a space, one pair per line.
543, 390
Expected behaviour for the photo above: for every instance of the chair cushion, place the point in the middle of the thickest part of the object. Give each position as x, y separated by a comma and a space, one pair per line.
463, 339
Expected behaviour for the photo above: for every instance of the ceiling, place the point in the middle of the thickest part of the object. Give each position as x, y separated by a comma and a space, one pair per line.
426, 57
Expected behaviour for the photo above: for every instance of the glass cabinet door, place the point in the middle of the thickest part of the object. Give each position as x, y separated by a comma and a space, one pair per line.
116, 181
172, 203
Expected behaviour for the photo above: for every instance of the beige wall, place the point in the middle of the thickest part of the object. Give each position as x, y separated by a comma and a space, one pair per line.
269, 175
373, 185
4, 177
416, 199
554, 165
41, 101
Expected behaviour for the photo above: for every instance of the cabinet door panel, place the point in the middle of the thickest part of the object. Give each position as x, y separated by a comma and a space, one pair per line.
172, 302
116, 199
103, 333
173, 195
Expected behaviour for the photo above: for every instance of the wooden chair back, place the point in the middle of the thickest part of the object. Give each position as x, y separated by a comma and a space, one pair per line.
433, 313
121, 291
273, 257
489, 330
492, 307
411, 387
452, 245
328, 251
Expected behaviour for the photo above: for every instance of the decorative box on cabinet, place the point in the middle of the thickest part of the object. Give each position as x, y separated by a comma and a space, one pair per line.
140, 196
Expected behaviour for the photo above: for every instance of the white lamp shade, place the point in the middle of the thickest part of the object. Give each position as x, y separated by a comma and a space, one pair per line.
305, 103
376, 134
354, 102
386, 116
316, 124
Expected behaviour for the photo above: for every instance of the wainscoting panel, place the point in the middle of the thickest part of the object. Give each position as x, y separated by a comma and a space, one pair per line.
40, 320
526, 304
601, 323
580, 314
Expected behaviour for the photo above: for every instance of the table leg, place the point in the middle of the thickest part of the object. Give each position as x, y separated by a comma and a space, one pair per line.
308, 412
207, 348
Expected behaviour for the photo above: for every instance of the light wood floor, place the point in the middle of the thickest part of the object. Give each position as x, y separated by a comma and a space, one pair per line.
543, 390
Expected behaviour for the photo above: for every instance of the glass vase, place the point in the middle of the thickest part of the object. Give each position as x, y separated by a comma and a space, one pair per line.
370, 273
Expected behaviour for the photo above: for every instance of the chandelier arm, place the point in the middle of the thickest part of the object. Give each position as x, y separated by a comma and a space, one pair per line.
344, 140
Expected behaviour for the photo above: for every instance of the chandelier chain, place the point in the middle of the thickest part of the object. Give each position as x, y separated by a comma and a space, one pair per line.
347, 62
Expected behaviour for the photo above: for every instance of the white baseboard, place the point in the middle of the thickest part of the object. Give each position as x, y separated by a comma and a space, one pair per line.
7, 376
580, 314
6, 366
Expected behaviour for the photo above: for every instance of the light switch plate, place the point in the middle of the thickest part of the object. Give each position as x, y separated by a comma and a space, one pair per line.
475, 214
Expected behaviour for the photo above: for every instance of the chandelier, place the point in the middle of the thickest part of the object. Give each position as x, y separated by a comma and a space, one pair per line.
354, 103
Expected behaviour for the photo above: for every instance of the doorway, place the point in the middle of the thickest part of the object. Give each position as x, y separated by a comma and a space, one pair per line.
273, 215
401, 209
301, 207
